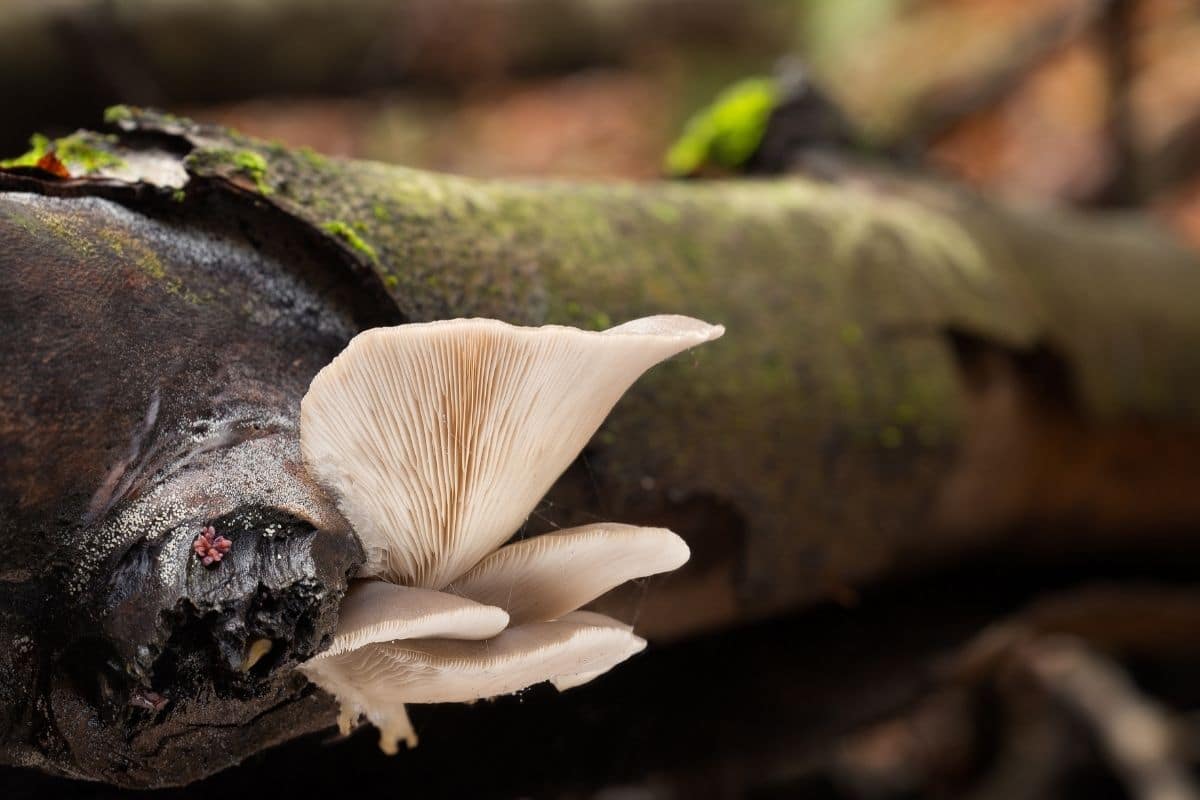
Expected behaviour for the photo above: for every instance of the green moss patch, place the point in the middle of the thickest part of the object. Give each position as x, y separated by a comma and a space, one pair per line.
726, 133
250, 163
117, 114
39, 145
253, 165
348, 235
85, 151
82, 152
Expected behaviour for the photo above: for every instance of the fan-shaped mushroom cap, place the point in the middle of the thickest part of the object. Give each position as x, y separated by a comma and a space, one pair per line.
437, 439
378, 679
544, 577
374, 611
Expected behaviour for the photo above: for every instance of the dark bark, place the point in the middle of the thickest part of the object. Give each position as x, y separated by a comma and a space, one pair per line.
910, 376
135, 414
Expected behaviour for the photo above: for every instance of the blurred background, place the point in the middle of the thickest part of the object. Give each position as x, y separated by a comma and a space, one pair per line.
1088, 102
1092, 104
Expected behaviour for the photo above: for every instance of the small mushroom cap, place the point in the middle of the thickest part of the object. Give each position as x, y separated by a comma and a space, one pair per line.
379, 679
374, 611
437, 439
544, 577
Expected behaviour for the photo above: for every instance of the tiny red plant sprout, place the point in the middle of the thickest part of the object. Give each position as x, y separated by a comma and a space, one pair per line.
147, 699
210, 547
50, 163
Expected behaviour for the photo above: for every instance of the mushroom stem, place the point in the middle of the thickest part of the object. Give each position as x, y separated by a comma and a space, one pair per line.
396, 727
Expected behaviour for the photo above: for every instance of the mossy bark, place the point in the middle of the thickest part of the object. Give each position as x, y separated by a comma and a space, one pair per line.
835, 422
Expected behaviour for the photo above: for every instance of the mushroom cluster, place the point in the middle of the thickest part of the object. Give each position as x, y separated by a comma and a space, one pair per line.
437, 440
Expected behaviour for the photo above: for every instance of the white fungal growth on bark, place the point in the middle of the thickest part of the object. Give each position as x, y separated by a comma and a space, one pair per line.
437, 440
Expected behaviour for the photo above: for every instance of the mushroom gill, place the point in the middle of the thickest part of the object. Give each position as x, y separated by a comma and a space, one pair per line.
381, 679
437, 440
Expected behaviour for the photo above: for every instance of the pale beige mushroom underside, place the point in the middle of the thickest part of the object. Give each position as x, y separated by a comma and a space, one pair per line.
376, 611
378, 680
438, 439
544, 577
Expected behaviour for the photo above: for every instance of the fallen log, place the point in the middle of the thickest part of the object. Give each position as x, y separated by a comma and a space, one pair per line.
910, 376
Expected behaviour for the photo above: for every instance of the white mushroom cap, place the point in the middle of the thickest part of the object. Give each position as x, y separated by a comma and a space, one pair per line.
544, 577
379, 679
374, 611
437, 439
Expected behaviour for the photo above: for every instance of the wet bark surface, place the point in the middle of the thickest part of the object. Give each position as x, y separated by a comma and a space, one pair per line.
154, 370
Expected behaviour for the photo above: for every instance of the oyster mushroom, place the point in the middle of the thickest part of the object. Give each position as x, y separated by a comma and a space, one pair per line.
437, 440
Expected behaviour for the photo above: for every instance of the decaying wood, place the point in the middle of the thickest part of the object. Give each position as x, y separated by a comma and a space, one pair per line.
911, 376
